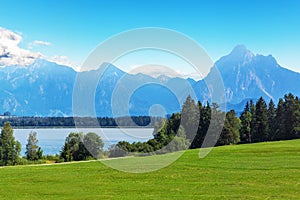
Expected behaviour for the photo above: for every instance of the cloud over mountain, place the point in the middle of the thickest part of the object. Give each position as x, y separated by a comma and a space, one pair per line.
10, 51
12, 54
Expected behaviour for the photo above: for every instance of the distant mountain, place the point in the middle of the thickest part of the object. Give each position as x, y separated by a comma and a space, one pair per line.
46, 89
42, 88
248, 76
119, 93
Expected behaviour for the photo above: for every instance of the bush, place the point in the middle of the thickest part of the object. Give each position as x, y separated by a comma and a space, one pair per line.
115, 151
24, 161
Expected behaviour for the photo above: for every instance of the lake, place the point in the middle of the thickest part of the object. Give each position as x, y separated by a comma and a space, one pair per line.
51, 140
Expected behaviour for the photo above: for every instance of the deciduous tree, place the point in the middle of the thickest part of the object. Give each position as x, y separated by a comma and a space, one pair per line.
33, 151
9, 148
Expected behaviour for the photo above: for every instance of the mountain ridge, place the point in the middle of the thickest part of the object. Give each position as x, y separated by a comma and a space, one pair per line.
45, 88
256, 76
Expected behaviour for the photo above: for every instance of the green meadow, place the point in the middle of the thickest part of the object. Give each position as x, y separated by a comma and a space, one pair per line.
252, 171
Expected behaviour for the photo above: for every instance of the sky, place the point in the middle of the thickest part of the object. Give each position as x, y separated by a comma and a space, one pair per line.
70, 30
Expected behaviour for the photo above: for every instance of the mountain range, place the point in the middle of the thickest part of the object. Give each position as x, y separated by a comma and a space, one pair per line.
45, 88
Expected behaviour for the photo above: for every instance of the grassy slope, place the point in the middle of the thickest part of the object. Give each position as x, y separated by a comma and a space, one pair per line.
256, 171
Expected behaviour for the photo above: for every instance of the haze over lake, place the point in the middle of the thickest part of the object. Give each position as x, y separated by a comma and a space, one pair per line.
51, 140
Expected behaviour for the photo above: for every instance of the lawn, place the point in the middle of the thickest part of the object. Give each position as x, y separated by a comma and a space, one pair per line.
253, 171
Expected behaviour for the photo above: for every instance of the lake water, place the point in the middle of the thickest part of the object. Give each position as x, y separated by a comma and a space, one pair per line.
52, 140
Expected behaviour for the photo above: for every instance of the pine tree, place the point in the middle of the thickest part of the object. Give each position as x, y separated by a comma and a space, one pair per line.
190, 118
9, 147
196, 143
271, 120
252, 124
230, 133
290, 116
245, 129
206, 118
252, 107
297, 118
260, 122
280, 121
215, 126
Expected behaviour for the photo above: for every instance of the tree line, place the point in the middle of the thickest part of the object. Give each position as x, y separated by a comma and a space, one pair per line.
259, 122
262, 122
79, 121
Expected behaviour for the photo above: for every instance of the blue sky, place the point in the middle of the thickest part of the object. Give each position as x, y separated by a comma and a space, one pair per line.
75, 28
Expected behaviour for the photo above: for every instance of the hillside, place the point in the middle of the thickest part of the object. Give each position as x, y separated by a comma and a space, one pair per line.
252, 171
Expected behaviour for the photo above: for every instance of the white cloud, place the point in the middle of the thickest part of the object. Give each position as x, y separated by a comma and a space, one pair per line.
159, 70
12, 54
154, 70
64, 60
39, 42
194, 75
36, 43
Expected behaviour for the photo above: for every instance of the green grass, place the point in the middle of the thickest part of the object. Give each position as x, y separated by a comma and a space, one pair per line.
254, 171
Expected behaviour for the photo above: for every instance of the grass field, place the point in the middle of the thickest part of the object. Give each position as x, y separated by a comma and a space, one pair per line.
253, 171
